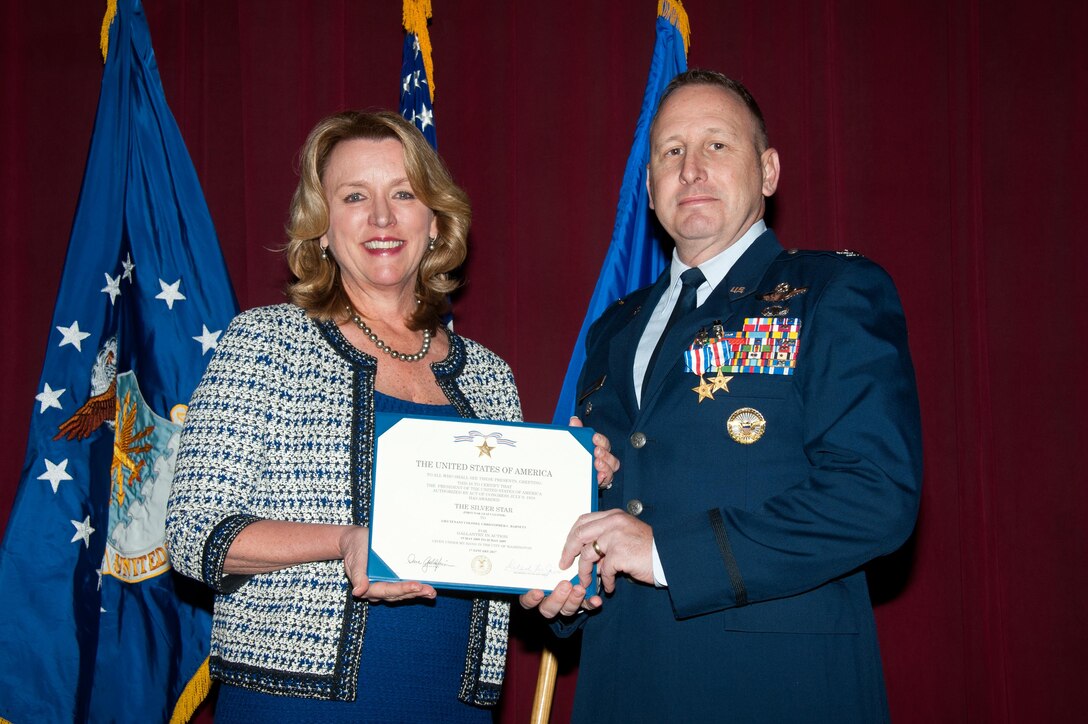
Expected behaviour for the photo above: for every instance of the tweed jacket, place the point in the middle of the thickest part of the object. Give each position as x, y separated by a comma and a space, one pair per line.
281, 427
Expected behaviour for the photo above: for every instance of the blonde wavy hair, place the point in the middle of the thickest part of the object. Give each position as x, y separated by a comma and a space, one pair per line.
317, 287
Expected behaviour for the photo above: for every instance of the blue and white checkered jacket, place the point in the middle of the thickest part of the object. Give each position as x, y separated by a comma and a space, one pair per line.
281, 427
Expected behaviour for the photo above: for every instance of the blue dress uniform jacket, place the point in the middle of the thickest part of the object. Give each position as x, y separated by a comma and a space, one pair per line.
766, 617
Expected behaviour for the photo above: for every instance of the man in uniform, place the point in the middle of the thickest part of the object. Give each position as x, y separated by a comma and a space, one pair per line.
762, 404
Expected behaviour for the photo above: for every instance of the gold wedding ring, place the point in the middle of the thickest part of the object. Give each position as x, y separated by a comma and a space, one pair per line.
597, 550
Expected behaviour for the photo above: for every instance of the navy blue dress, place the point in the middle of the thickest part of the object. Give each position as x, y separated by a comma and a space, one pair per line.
412, 660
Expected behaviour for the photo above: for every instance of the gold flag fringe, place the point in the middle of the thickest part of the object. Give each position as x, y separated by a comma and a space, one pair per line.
673, 11
104, 37
196, 691
416, 13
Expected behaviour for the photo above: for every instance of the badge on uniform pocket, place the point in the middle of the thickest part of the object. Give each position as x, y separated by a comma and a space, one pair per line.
746, 425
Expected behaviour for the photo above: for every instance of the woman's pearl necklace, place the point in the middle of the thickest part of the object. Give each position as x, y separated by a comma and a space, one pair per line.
386, 348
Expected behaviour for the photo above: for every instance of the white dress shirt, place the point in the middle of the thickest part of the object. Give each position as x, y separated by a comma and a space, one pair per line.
714, 269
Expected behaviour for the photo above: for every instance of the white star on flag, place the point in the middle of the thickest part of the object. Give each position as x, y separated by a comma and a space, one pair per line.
55, 473
129, 266
113, 288
83, 531
407, 84
49, 398
73, 336
426, 118
207, 339
170, 293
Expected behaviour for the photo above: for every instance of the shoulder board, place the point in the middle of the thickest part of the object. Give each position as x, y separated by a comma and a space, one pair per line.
842, 253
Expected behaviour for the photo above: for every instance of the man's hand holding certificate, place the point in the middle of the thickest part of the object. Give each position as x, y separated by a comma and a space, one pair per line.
477, 504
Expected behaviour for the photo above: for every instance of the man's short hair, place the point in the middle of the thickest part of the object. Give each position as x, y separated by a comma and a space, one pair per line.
701, 76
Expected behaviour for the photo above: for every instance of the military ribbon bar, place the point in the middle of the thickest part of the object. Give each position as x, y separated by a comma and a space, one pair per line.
764, 345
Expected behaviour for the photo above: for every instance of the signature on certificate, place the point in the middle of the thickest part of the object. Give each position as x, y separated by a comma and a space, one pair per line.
529, 569
428, 563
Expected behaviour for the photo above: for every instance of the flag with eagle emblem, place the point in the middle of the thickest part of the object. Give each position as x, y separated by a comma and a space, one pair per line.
96, 626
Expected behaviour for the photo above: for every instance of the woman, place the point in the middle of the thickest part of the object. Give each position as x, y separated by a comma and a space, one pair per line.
270, 501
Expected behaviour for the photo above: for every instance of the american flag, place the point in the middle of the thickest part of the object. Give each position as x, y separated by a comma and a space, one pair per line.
417, 71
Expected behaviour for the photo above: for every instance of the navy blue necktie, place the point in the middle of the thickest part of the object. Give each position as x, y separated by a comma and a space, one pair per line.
690, 281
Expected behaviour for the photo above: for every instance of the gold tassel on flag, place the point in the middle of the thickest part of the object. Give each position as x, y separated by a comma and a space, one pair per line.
673, 11
104, 38
416, 14
196, 691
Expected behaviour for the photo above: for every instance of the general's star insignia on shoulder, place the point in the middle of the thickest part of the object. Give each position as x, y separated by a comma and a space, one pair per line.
847, 252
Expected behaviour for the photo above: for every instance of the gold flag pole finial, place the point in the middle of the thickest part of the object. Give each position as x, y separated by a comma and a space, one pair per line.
416, 14
107, 20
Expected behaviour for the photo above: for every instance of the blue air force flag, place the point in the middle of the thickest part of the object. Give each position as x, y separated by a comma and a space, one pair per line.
634, 258
95, 626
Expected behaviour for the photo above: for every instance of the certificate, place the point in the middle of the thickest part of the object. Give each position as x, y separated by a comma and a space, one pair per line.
476, 504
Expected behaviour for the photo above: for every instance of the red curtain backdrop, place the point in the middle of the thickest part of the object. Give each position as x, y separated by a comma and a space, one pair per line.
945, 139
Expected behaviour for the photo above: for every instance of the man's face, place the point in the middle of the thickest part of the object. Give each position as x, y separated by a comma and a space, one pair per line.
706, 182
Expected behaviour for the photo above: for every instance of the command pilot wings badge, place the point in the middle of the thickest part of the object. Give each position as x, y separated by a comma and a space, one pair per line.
782, 292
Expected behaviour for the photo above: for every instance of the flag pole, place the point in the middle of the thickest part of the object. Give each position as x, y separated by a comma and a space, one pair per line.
634, 258
545, 688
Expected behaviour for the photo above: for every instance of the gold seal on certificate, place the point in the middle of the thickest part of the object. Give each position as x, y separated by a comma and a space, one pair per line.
476, 504
482, 565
